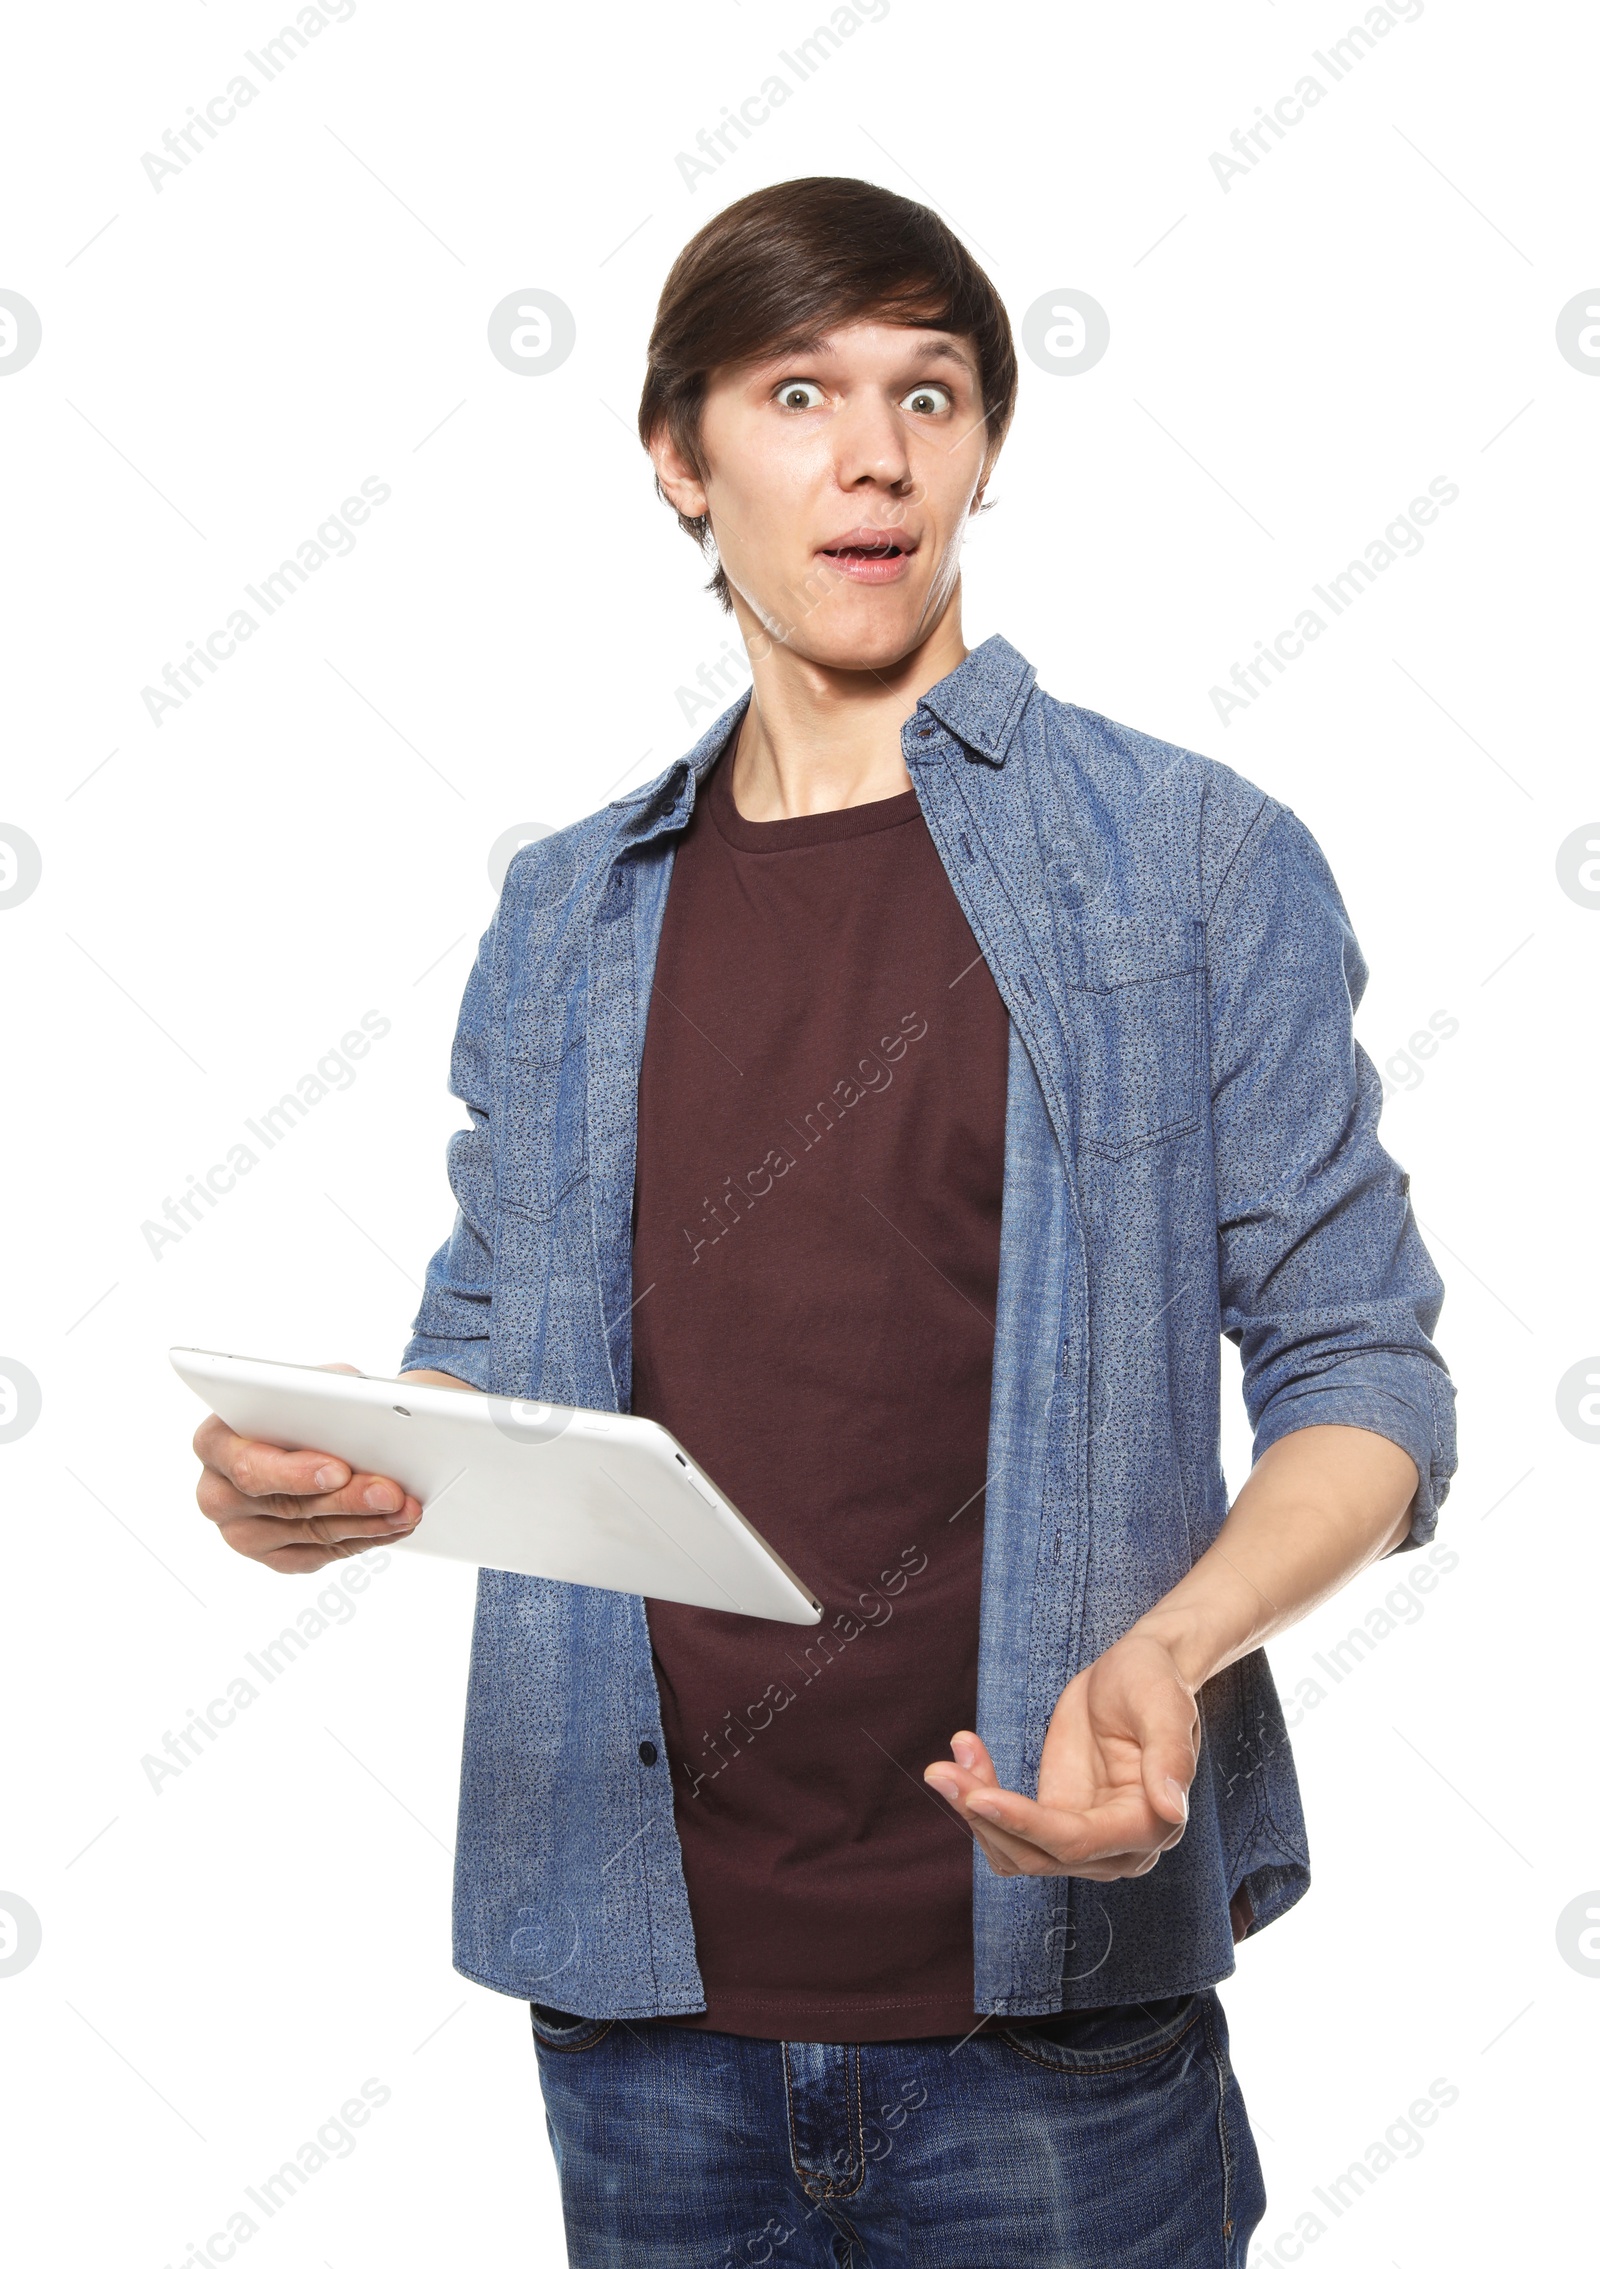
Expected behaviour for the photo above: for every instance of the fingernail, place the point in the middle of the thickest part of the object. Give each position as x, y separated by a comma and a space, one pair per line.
982, 1805
1181, 1795
379, 1498
401, 1519
328, 1476
964, 1754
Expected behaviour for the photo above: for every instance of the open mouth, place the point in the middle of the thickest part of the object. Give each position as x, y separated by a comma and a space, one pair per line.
887, 550
870, 555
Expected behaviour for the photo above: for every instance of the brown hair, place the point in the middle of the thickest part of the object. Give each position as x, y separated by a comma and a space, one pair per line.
787, 262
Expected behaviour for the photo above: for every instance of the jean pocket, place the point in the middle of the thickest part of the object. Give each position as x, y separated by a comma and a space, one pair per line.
1134, 1004
1090, 2042
560, 2029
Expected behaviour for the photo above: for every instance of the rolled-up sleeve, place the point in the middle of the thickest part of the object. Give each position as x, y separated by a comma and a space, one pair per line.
1326, 1286
451, 1330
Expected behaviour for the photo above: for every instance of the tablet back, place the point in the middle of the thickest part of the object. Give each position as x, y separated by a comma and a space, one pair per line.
583, 1496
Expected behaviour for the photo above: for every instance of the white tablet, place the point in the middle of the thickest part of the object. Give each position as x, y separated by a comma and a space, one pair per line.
586, 1496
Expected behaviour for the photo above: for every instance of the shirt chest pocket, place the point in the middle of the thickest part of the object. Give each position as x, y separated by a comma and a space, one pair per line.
1135, 999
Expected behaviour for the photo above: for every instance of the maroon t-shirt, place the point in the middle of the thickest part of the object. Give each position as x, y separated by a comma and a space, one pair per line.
816, 1252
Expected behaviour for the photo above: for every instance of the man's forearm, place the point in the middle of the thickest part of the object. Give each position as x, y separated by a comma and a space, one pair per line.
1320, 1505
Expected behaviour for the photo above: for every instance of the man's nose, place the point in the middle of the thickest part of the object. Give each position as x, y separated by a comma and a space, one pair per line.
870, 444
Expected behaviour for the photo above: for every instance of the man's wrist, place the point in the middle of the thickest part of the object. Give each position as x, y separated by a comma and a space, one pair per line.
1196, 1650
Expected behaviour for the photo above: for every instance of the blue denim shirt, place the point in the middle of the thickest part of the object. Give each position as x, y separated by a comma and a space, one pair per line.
1191, 1150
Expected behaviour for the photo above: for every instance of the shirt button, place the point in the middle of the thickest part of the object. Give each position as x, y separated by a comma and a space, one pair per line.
647, 1752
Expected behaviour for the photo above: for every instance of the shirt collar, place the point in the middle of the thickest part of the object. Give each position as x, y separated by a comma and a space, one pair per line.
979, 701
665, 803
982, 698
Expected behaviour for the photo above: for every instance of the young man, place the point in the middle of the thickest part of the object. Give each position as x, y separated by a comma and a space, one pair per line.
898, 1098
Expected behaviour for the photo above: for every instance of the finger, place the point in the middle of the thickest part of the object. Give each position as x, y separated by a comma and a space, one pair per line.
366, 1495
1014, 1855
951, 1780
970, 1753
362, 1493
260, 1536
257, 1469
257, 1465
992, 1848
368, 1502
1096, 1832
1008, 1851
971, 1768
334, 1529
957, 1783
1003, 1852
306, 1559
1167, 1766
1166, 1794
1010, 1855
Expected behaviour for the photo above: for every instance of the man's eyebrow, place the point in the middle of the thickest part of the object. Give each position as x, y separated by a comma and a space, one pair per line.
935, 350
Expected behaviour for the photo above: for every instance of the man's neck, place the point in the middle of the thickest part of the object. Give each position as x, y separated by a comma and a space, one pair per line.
817, 737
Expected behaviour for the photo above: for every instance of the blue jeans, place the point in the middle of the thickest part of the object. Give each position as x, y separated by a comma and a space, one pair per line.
1111, 2139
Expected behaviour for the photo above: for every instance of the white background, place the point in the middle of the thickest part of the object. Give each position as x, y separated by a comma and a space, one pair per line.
305, 305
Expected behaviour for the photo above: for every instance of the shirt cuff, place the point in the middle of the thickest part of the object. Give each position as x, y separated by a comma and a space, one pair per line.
1387, 1395
466, 1359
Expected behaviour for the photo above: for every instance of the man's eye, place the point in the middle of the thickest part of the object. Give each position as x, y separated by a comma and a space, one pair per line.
928, 401
800, 394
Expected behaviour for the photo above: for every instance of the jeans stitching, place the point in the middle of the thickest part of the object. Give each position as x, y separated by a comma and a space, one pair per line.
570, 2048
788, 2104
859, 2151
1220, 2065
1093, 2071
807, 2175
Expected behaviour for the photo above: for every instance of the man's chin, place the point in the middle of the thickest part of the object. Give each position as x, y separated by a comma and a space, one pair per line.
854, 629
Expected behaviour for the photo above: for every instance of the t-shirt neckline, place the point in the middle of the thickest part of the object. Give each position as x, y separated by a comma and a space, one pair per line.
810, 828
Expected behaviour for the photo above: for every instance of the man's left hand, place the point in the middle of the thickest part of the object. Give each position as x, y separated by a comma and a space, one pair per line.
1114, 1774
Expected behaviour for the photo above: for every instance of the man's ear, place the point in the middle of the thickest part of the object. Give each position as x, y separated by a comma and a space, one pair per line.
680, 483
979, 493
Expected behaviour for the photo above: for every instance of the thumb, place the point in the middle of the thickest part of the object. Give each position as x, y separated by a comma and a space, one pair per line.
1167, 1767
1169, 1796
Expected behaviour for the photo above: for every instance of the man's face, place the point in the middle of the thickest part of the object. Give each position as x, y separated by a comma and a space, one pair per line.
839, 480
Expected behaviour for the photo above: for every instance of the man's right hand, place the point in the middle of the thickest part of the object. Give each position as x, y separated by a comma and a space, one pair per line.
295, 1510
